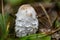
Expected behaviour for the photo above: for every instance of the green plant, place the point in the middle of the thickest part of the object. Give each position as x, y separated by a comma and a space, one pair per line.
3, 25
36, 37
14, 2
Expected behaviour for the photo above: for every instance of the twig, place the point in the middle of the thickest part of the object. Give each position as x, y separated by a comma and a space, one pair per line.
52, 32
2, 7
45, 13
55, 30
49, 33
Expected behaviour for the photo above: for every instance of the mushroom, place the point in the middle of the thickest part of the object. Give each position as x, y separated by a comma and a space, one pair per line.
26, 21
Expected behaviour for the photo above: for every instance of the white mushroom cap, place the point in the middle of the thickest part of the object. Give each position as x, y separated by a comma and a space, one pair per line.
26, 10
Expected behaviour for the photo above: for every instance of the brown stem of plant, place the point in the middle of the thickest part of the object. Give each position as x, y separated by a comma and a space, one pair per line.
55, 30
2, 7
45, 13
50, 33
